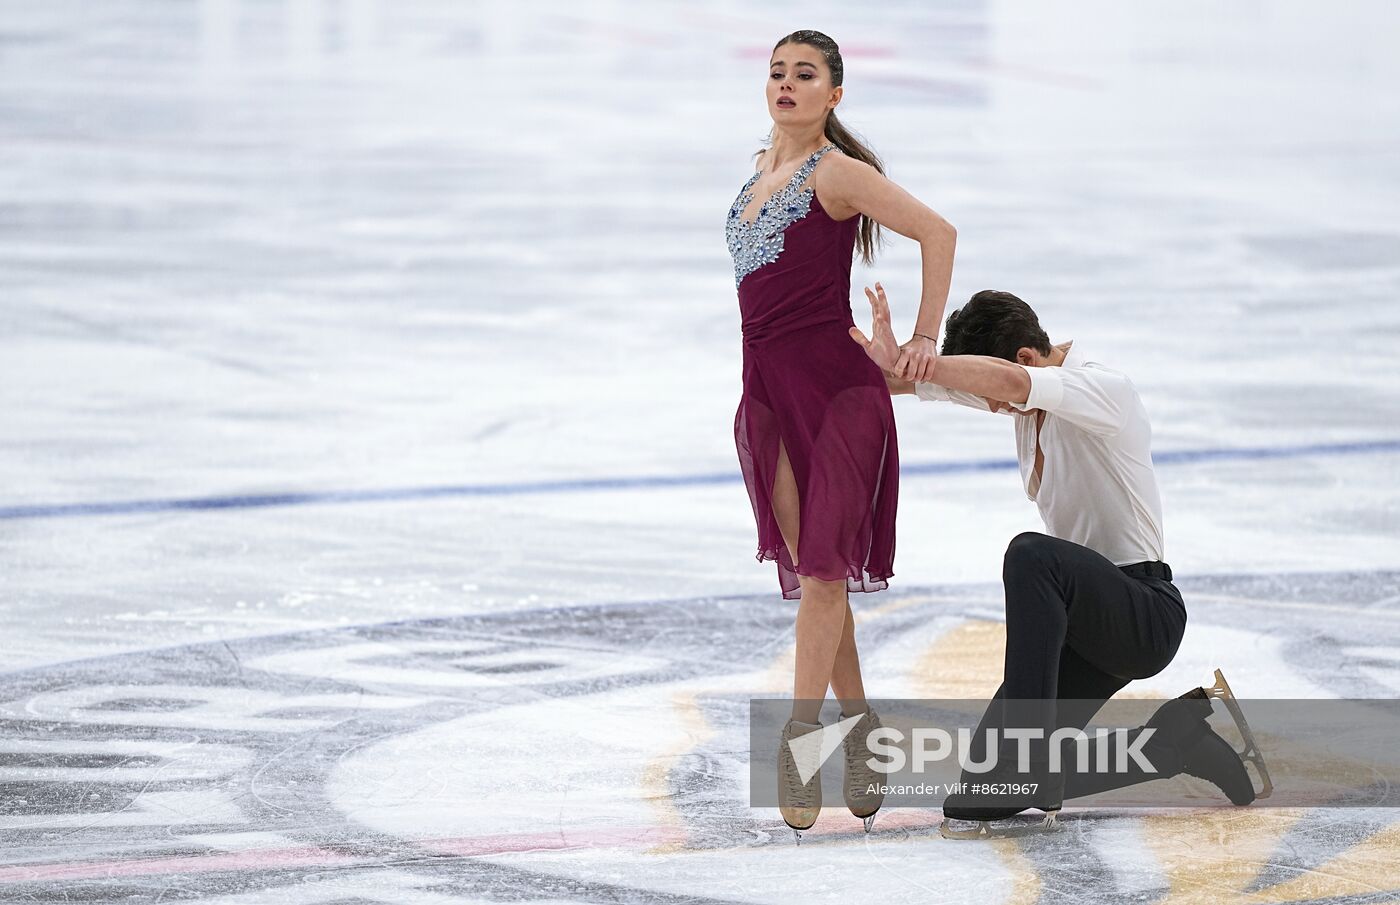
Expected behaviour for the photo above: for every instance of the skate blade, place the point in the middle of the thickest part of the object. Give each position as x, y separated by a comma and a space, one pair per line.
868, 818
1251, 753
952, 828
798, 828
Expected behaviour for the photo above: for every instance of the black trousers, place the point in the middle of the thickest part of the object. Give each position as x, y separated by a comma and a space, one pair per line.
1078, 629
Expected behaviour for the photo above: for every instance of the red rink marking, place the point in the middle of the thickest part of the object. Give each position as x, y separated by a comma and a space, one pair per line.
259, 859
559, 840
626, 34
311, 856
269, 859
913, 78
854, 50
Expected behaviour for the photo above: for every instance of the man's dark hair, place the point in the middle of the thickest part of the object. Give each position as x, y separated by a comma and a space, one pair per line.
994, 323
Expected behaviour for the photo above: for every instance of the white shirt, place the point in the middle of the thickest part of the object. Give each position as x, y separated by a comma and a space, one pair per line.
1097, 487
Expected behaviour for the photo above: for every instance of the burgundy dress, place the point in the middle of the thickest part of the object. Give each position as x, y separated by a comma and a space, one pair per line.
809, 387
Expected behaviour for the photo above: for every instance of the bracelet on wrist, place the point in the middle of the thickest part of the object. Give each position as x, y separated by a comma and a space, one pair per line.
927, 337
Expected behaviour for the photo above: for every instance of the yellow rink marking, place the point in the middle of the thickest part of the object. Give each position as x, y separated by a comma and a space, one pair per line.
1208, 857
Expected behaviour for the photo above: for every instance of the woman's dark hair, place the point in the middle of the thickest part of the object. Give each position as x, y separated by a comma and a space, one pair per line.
868, 237
994, 323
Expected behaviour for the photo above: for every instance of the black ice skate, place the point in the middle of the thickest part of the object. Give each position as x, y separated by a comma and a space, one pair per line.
1182, 741
999, 794
1208, 758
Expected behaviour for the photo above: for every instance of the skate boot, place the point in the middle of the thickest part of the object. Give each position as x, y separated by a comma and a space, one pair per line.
859, 777
800, 802
1185, 743
1207, 757
1181, 741
1000, 793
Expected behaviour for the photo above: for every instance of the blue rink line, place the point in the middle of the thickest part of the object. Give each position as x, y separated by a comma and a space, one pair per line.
534, 488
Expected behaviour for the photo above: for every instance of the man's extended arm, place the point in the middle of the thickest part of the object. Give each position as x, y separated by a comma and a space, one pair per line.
966, 379
979, 375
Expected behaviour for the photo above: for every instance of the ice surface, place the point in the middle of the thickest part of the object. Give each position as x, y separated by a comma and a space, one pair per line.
304, 247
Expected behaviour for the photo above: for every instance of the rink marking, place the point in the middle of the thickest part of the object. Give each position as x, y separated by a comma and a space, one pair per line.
650, 482
1369, 611
639, 838
635, 844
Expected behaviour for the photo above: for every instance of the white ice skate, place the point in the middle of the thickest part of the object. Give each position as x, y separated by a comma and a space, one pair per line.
799, 802
859, 777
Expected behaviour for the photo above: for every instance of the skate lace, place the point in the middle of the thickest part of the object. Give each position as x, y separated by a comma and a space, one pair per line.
799, 793
859, 775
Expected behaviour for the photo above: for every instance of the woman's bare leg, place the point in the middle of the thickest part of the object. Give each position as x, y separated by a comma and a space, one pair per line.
819, 618
822, 614
846, 682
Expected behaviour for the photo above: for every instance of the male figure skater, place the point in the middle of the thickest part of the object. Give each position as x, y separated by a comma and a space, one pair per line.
1090, 604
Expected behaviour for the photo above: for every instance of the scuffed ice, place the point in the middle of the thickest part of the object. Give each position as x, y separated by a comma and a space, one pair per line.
292, 247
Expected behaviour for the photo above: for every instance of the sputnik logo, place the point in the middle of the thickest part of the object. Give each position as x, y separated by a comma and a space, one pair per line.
810, 751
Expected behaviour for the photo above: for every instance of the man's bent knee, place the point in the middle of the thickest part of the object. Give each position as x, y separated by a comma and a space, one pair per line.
1026, 549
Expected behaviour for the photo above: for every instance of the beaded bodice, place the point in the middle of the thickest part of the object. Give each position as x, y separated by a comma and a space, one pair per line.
752, 245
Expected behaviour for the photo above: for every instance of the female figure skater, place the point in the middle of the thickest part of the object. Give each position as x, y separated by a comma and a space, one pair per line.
815, 429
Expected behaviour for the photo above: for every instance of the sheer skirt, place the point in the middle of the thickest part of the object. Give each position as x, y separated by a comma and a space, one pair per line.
816, 395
